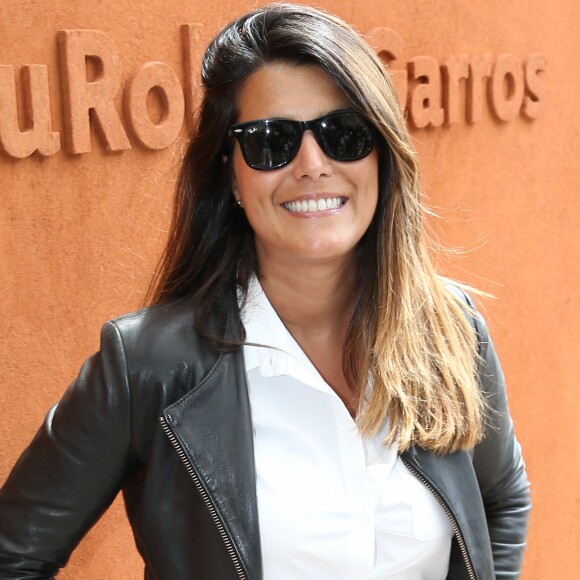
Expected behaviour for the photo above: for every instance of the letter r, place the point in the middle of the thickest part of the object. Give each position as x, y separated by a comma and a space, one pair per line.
90, 99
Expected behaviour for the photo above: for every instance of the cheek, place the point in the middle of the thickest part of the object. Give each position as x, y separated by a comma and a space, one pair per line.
256, 189
244, 178
374, 175
368, 180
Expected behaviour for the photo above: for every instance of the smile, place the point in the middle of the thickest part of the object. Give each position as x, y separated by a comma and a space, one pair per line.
313, 205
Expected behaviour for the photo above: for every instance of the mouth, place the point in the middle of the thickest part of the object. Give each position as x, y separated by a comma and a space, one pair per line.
314, 205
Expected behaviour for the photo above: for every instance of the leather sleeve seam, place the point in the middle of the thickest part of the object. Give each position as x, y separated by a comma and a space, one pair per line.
127, 385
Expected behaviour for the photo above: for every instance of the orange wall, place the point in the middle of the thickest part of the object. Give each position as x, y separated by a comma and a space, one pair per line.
80, 232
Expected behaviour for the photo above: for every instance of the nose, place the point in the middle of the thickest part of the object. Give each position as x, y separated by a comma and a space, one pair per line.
311, 161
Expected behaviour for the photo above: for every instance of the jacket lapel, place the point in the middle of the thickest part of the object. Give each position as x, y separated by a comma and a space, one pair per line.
213, 428
452, 479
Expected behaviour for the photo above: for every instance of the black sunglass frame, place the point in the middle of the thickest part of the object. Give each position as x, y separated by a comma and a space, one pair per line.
240, 131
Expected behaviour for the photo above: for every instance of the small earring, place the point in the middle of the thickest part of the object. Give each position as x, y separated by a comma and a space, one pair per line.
239, 203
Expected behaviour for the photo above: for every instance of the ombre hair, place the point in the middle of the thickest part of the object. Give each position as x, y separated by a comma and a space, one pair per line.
408, 332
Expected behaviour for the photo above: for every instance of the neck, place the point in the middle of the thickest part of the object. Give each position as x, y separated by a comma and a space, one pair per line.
312, 299
315, 300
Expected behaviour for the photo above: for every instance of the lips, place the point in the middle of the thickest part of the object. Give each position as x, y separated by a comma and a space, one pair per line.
314, 205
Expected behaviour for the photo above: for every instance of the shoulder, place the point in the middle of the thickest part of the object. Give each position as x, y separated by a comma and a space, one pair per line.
489, 372
461, 294
154, 324
161, 339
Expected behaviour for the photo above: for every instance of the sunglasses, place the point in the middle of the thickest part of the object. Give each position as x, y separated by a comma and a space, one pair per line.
272, 143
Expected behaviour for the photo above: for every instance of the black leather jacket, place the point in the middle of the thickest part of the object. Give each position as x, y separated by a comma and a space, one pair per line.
164, 417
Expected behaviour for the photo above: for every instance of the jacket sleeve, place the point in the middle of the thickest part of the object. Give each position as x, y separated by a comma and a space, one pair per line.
72, 470
499, 466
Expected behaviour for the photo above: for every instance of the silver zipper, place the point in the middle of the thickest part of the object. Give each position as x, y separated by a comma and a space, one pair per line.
450, 516
205, 497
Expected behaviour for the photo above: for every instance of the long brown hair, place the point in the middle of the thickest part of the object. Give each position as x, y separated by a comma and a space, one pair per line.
408, 332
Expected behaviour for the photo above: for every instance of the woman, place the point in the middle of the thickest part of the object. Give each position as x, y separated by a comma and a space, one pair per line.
304, 398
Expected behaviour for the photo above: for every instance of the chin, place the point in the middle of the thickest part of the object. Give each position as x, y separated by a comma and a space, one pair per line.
326, 252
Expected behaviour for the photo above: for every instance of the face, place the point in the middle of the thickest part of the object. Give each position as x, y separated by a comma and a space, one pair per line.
271, 198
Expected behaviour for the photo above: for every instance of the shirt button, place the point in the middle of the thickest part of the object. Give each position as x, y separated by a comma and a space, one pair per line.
363, 521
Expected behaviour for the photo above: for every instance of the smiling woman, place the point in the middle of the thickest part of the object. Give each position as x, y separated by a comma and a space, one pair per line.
310, 178
304, 397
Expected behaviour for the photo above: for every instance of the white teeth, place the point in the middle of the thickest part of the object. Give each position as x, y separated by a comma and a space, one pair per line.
314, 205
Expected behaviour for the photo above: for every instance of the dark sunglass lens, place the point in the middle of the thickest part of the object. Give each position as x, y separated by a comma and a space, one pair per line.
346, 137
270, 144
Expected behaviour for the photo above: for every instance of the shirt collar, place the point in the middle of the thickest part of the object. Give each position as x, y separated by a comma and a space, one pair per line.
278, 354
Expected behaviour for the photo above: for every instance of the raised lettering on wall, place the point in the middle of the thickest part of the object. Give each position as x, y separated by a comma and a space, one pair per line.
86, 100
21, 138
150, 106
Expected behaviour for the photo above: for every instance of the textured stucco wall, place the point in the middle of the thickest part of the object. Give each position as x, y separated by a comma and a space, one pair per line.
79, 233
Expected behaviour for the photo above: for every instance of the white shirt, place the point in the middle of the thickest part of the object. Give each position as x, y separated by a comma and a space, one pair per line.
331, 505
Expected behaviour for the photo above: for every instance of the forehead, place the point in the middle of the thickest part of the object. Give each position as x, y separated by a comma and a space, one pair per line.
292, 92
